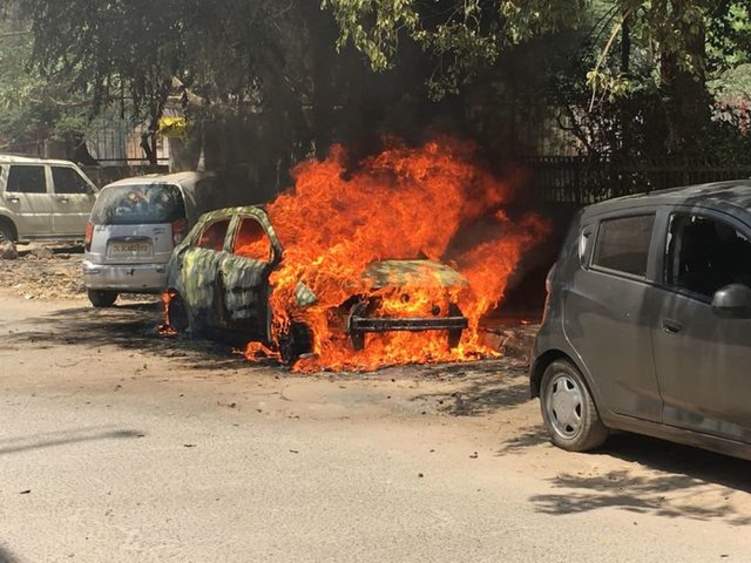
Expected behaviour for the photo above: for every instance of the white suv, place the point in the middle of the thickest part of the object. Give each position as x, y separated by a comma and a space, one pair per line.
43, 199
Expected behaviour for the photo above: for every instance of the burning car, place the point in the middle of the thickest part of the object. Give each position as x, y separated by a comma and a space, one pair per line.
220, 282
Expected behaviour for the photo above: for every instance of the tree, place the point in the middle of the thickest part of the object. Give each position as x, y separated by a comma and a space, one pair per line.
465, 36
32, 108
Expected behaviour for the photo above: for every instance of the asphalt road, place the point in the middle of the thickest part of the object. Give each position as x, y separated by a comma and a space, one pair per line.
117, 445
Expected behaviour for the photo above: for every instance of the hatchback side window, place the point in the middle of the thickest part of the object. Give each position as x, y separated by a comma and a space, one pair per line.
213, 235
68, 181
252, 241
704, 255
623, 244
26, 179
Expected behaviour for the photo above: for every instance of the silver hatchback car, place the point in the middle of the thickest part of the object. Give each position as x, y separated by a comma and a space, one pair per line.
647, 326
133, 228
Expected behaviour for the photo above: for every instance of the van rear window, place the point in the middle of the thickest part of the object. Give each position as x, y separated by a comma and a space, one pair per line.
138, 205
623, 244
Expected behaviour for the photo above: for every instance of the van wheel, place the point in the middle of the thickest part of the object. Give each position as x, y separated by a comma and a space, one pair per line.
102, 298
568, 410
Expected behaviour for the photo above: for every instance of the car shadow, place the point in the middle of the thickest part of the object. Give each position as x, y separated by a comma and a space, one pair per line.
64, 437
6, 556
486, 387
130, 326
673, 470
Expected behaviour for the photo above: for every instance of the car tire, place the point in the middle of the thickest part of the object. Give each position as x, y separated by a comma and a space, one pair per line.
568, 410
6, 232
296, 341
181, 319
101, 298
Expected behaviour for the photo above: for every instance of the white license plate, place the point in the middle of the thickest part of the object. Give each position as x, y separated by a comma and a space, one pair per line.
130, 249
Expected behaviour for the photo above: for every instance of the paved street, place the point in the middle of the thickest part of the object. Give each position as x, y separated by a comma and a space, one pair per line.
117, 445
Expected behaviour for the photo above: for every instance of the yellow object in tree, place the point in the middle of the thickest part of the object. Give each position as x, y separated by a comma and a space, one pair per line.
173, 126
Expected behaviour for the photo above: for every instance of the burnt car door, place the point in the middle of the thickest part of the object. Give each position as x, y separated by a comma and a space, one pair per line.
200, 265
243, 284
702, 353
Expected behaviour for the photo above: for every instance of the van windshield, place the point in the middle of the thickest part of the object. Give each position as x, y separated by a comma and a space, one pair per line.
138, 205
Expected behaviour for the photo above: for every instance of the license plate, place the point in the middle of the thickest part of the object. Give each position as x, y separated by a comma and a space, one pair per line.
130, 249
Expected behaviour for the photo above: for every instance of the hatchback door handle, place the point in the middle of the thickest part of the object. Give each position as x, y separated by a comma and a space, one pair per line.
63, 200
13, 199
671, 327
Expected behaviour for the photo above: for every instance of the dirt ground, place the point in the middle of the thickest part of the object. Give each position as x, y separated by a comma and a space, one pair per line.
118, 443
44, 271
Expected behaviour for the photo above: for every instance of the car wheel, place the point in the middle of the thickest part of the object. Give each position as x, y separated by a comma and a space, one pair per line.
568, 409
6, 233
102, 298
181, 320
296, 341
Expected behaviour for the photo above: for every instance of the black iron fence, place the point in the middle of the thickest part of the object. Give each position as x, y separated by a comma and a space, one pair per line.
583, 180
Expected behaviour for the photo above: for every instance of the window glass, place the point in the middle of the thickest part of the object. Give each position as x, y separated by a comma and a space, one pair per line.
138, 205
623, 244
252, 241
213, 235
704, 255
68, 181
26, 179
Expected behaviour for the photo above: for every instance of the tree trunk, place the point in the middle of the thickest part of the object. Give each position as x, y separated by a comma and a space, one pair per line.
685, 93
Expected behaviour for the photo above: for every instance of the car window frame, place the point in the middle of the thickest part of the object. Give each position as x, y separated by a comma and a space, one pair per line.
47, 173
202, 227
649, 276
89, 191
229, 245
707, 212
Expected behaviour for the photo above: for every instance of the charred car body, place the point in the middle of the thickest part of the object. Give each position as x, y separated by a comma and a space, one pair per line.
218, 282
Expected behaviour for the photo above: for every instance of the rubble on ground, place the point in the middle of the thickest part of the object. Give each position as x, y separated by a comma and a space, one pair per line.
42, 272
8, 251
512, 338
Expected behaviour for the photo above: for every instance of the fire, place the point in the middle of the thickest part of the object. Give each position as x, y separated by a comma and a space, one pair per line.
405, 204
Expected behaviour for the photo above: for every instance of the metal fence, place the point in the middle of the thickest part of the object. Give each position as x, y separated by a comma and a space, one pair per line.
583, 180
119, 144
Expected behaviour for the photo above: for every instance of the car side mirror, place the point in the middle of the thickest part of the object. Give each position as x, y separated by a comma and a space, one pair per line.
733, 301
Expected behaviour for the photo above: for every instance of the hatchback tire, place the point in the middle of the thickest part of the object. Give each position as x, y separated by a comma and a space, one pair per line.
101, 298
569, 412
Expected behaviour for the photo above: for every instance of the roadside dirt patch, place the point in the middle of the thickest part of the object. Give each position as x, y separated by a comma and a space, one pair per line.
44, 272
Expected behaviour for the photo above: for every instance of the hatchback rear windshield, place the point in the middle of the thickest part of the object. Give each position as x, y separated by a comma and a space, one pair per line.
138, 205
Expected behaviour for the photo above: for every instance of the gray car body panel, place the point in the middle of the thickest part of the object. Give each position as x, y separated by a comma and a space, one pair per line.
691, 387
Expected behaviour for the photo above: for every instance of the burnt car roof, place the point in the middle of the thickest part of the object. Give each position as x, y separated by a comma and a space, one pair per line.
733, 196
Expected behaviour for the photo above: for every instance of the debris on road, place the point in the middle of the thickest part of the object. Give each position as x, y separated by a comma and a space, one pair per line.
8, 251
41, 273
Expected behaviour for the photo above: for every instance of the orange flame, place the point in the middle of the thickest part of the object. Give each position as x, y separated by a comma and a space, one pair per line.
405, 203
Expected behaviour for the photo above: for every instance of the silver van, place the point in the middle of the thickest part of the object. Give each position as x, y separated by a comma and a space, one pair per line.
42, 199
647, 325
134, 225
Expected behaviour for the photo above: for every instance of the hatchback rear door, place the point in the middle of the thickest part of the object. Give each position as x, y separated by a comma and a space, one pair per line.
200, 266
134, 224
606, 319
244, 274
703, 360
